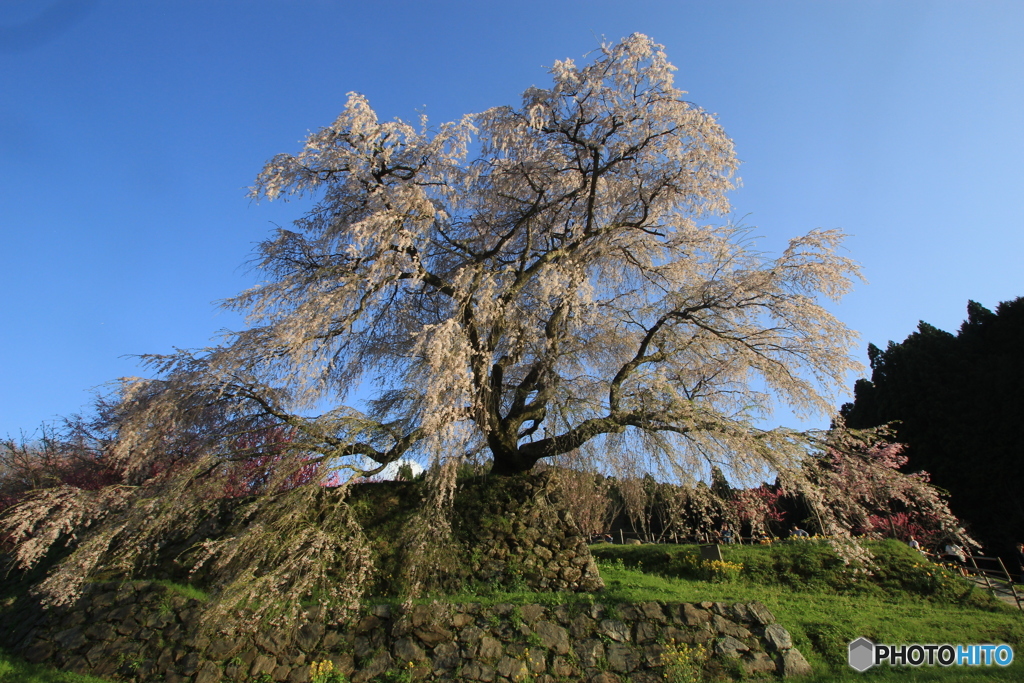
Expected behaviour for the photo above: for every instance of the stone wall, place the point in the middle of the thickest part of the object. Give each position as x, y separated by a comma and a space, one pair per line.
142, 631
515, 530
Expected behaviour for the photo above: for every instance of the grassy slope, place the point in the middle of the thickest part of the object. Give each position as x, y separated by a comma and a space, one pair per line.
817, 598
825, 606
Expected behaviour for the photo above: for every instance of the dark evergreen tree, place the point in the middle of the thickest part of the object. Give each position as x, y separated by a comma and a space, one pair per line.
958, 401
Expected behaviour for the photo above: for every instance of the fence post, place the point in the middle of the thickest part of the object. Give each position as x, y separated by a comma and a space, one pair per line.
1009, 582
977, 571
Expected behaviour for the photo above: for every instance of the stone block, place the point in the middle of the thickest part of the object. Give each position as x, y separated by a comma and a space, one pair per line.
653, 611
561, 667
208, 672
40, 651
190, 616
70, 639
647, 631
760, 613
406, 650
614, 629
343, 662
646, 677
513, 669
165, 660
105, 668
188, 664
308, 636
380, 664
621, 657
78, 664
740, 614
581, 627
756, 663
432, 634
362, 647
223, 648
475, 671
777, 638
101, 600
158, 620
571, 574
490, 649
691, 615
446, 656
730, 647
723, 626
96, 654
652, 654
263, 664
791, 664
553, 637
122, 613
471, 635
531, 613
671, 634
537, 660
273, 642
174, 632
331, 640
421, 614
628, 611
589, 652
128, 627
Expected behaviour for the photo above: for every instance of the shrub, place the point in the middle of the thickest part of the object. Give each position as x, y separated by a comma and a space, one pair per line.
683, 663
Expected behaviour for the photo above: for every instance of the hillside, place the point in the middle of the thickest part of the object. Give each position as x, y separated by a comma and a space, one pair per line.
823, 603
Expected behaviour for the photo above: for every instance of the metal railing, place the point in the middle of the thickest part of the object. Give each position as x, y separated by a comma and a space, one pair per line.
993, 574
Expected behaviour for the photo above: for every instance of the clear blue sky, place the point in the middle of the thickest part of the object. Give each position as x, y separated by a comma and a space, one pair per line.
130, 130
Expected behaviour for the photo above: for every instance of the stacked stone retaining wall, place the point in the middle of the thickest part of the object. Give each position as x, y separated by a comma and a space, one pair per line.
142, 631
517, 531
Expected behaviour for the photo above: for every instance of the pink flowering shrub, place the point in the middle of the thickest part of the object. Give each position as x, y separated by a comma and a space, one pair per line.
871, 496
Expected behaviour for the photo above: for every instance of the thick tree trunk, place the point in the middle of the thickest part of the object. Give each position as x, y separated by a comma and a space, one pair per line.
509, 461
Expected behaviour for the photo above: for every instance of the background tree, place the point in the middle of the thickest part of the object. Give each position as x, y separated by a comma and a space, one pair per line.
956, 401
760, 509
525, 283
65, 454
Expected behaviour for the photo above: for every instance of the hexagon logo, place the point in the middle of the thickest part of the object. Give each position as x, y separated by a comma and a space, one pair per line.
861, 654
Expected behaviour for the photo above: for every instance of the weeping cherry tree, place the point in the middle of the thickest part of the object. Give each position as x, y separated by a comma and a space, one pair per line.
552, 280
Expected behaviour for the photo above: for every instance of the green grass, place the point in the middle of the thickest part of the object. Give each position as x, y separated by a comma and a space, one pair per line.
15, 670
183, 589
809, 565
905, 600
815, 596
823, 622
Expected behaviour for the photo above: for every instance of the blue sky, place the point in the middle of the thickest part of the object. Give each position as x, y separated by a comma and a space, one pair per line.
129, 132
